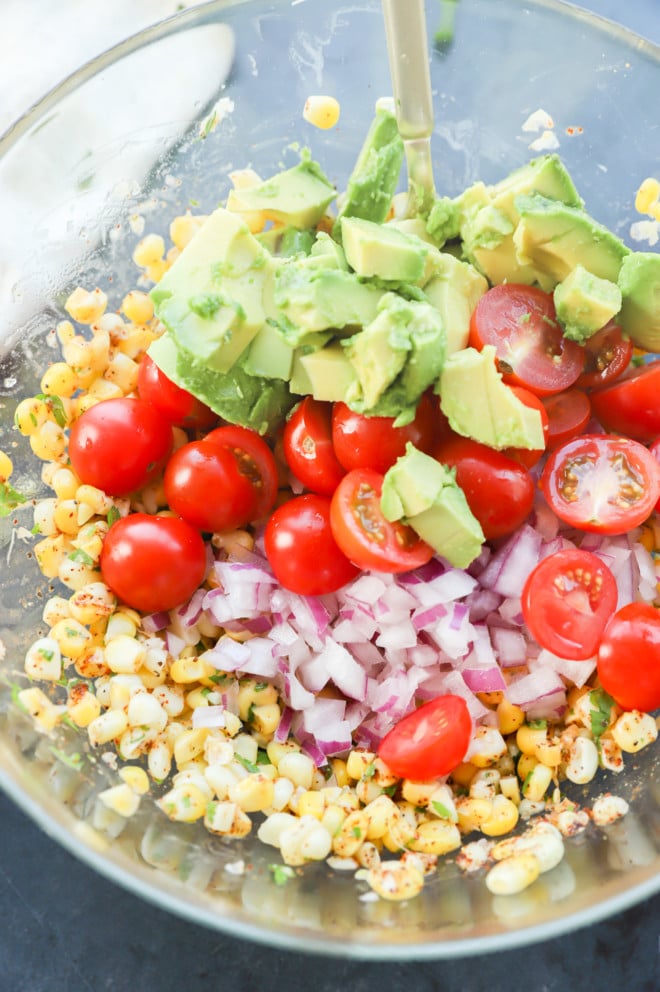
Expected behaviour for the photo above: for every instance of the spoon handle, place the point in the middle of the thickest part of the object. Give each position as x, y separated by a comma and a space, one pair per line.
407, 47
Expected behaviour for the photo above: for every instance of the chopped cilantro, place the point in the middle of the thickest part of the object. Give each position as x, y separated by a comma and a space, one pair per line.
370, 770
390, 790
602, 705
357, 832
208, 125
56, 407
441, 809
113, 515
537, 724
249, 765
9, 499
74, 760
281, 873
81, 556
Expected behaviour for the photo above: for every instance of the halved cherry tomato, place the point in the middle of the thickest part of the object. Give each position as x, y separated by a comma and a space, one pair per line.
153, 563
499, 490
177, 405
629, 657
607, 354
601, 483
119, 445
210, 487
257, 462
568, 415
521, 323
429, 742
655, 451
307, 446
363, 533
302, 550
630, 405
374, 442
567, 600
530, 456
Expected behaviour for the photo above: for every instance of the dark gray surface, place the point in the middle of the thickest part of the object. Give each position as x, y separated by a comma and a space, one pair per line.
64, 929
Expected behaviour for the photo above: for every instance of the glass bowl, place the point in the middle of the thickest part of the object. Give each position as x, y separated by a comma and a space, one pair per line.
122, 146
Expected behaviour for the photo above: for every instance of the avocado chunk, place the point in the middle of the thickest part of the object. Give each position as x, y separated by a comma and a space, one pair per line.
269, 354
554, 238
405, 342
423, 493
298, 197
376, 172
313, 297
639, 282
212, 298
286, 241
251, 401
383, 252
454, 290
325, 374
479, 405
584, 303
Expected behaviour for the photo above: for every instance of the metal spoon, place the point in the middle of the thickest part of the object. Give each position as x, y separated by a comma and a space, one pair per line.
407, 47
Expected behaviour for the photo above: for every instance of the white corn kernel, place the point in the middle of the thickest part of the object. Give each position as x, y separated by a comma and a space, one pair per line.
304, 840
634, 730
136, 778
271, 830
124, 655
121, 799
513, 874
46, 713
144, 710
107, 727
394, 881
227, 819
298, 767
608, 809
43, 660
582, 763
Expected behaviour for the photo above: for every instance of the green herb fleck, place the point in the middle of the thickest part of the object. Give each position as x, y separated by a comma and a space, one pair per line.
205, 305
249, 765
537, 724
113, 516
208, 125
281, 873
602, 706
56, 407
10, 498
441, 809
357, 832
390, 790
81, 556
370, 770
74, 760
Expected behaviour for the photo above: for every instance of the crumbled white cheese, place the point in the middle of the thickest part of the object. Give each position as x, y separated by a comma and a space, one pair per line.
540, 120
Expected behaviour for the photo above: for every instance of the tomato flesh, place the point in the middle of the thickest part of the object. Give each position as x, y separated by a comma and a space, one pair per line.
364, 534
568, 415
607, 355
521, 323
177, 405
630, 405
567, 600
302, 550
119, 445
308, 448
629, 657
529, 457
153, 563
429, 742
601, 483
374, 442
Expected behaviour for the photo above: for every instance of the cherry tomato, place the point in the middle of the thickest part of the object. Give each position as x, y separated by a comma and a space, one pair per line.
363, 533
374, 442
521, 323
566, 602
629, 657
499, 490
568, 415
301, 548
257, 462
153, 563
208, 486
655, 451
177, 405
119, 445
606, 355
308, 449
630, 405
601, 483
429, 742
529, 457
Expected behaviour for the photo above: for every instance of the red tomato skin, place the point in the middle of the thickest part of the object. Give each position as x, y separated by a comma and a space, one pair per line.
521, 323
597, 507
119, 445
301, 548
629, 657
153, 563
261, 464
607, 354
180, 407
499, 490
382, 546
558, 614
568, 416
308, 448
429, 742
374, 442
655, 451
529, 457
630, 405
205, 486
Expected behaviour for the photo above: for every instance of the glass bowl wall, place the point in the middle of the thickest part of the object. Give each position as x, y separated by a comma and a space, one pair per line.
155, 126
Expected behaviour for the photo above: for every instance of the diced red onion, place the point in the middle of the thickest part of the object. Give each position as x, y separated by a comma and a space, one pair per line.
511, 564
484, 679
154, 622
510, 646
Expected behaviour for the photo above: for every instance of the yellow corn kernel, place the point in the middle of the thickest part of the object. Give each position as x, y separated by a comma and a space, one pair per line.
526, 764
509, 716
56, 608
85, 306
48, 442
124, 655
513, 875
184, 803
40, 707
159, 760
137, 307
463, 774
92, 603
647, 196
6, 466
358, 762
487, 747
123, 623
321, 111
59, 380
503, 818
65, 516
472, 813
492, 699
418, 793
351, 834
189, 745
156, 270
254, 793
395, 881
43, 660
528, 738
311, 803
184, 228
253, 693
277, 749
548, 752
72, 637
338, 766
510, 787
98, 501
121, 799
65, 483
435, 837
297, 767
50, 554
82, 705
227, 819
107, 727
536, 782
186, 670
136, 778
266, 719
30, 414
634, 730
122, 372
380, 814
149, 250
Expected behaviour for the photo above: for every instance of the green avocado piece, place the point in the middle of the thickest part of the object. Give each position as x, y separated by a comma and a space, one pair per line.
269, 354
382, 251
286, 241
311, 298
554, 238
585, 303
454, 290
423, 493
639, 282
479, 405
298, 197
375, 176
325, 373
212, 298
